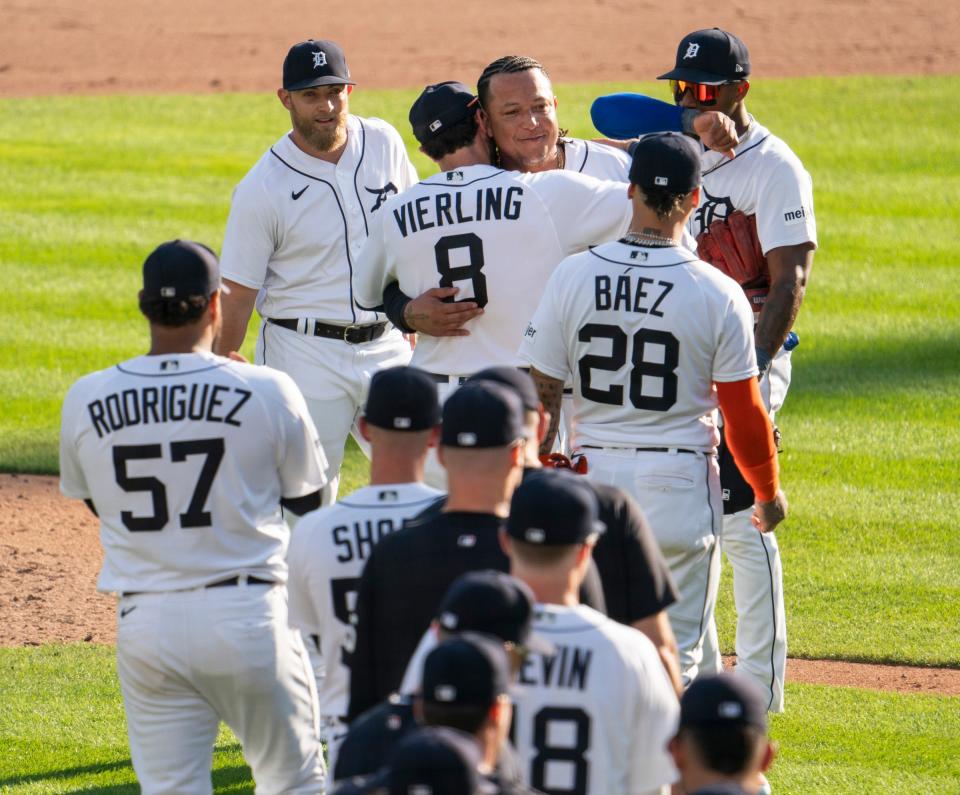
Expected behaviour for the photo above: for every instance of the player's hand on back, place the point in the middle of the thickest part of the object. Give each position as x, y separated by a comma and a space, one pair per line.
716, 131
429, 313
767, 515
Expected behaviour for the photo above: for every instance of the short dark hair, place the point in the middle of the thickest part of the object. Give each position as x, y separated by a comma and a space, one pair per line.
661, 200
508, 64
465, 717
174, 311
540, 554
455, 137
725, 749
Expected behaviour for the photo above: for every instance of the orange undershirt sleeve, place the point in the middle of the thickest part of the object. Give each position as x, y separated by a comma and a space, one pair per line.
749, 436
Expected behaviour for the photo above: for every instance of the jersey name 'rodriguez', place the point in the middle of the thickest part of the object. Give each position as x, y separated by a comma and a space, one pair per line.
209, 421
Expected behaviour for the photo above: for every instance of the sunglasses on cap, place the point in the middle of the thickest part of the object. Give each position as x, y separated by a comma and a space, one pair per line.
704, 94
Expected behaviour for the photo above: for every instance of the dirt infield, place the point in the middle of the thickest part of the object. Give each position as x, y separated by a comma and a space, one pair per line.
49, 551
109, 46
50, 555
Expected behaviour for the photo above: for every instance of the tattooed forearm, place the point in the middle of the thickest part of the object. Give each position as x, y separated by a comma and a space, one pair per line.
550, 391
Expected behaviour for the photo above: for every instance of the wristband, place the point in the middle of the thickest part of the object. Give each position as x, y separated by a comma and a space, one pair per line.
763, 361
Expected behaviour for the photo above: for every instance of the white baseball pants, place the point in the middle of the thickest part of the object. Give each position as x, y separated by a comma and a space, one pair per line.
189, 659
334, 377
761, 637
680, 495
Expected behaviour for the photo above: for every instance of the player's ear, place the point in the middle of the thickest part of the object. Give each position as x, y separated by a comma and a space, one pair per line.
631, 190
769, 754
364, 428
418, 709
349, 90
742, 89
434, 440
504, 542
675, 749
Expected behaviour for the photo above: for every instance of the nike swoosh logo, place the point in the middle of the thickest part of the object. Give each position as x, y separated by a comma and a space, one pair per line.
124, 613
296, 196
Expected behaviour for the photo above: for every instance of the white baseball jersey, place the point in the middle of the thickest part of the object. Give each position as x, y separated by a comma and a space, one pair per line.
186, 457
495, 234
644, 332
594, 718
765, 179
297, 223
327, 556
595, 160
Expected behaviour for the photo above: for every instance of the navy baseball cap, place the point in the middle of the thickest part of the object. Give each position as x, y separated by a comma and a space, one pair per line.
667, 160
440, 106
466, 669
180, 268
710, 56
315, 62
482, 414
518, 380
435, 760
725, 699
494, 603
402, 399
553, 508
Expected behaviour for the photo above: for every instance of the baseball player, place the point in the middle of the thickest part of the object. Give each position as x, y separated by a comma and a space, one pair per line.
654, 338
755, 222
496, 235
186, 457
297, 223
637, 586
518, 113
722, 747
490, 603
409, 570
594, 716
330, 546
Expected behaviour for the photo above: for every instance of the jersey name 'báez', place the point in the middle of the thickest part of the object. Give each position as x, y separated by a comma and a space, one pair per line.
649, 343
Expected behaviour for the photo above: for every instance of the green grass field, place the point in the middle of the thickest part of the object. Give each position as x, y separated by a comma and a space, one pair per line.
89, 185
62, 730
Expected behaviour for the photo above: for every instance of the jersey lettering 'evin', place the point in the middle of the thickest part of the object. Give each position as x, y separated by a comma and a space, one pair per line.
594, 716
497, 235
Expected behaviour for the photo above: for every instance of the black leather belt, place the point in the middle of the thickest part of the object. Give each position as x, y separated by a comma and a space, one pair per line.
235, 580
440, 378
641, 449
352, 334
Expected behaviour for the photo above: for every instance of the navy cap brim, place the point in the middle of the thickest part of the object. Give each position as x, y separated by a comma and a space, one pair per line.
327, 80
695, 76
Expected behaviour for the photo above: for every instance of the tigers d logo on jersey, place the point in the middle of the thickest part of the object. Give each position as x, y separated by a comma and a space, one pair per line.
714, 208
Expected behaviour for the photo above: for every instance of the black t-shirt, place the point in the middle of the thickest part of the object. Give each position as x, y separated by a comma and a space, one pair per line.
636, 579
403, 582
373, 736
